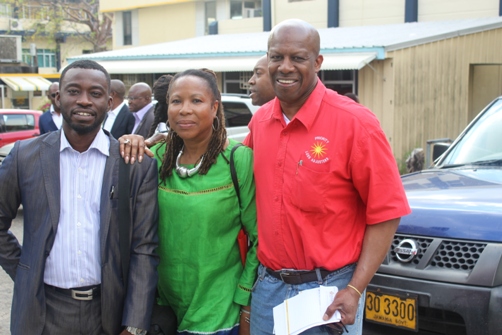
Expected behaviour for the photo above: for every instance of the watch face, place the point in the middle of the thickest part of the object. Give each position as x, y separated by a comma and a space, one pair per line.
136, 331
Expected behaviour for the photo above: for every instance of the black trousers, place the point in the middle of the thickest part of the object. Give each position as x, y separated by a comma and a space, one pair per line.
65, 315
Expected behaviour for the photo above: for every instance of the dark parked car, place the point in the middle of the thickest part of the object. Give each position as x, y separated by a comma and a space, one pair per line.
18, 124
443, 273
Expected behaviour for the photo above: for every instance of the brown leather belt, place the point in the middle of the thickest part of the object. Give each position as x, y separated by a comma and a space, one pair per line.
79, 293
297, 277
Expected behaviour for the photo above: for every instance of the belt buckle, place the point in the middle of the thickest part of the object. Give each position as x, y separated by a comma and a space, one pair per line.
86, 295
284, 276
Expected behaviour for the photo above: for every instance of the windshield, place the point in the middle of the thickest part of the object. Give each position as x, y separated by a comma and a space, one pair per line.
482, 142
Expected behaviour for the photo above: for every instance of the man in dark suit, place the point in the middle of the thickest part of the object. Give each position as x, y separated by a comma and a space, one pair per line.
51, 120
119, 120
68, 273
140, 104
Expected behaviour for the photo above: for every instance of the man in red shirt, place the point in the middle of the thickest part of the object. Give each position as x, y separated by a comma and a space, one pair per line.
328, 192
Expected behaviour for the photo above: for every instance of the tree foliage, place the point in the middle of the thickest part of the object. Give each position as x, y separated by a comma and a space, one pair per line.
57, 18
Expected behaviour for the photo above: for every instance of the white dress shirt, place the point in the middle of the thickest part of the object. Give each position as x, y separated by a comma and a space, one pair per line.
138, 116
75, 260
56, 118
112, 115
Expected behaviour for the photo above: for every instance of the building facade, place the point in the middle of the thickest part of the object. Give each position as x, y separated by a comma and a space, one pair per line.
156, 21
40, 51
424, 88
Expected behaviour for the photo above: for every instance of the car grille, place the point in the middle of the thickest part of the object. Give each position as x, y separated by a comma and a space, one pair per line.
422, 244
450, 254
457, 255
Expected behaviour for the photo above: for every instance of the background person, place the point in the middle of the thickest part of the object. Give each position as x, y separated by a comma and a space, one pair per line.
52, 119
201, 275
119, 120
160, 88
328, 193
416, 160
67, 274
260, 86
140, 104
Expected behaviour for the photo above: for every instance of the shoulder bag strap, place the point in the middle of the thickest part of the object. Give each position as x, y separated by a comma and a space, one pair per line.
233, 173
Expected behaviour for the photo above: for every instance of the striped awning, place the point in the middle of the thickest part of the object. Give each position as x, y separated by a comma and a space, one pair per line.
26, 83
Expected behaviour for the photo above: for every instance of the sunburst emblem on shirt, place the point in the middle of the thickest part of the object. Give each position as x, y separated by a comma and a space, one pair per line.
318, 150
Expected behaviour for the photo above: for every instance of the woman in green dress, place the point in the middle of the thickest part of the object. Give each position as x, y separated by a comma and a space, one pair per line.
201, 275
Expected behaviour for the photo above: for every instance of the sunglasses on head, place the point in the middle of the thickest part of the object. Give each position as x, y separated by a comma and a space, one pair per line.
54, 95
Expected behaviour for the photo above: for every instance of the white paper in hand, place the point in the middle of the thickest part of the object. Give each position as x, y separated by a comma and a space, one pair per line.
304, 311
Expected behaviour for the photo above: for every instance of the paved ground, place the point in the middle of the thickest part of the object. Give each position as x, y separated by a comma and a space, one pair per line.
6, 283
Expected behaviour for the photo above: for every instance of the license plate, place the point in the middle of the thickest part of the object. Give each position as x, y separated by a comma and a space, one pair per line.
392, 309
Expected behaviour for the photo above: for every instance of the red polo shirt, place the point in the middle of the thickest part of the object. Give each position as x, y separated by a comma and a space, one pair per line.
320, 180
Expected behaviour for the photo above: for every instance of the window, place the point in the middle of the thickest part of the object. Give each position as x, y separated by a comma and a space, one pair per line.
210, 14
45, 57
240, 9
341, 81
16, 122
27, 58
236, 82
33, 12
5, 10
127, 27
236, 114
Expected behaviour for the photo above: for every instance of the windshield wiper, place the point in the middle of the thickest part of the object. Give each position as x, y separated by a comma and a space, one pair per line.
485, 163
488, 162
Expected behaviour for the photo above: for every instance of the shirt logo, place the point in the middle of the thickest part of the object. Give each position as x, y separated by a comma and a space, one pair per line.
318, 151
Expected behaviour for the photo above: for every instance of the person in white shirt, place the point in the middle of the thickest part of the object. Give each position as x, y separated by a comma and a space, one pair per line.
140, 104
119, 120
75, 273
52, 119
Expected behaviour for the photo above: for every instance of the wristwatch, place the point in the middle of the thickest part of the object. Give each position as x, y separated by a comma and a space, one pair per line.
136, 331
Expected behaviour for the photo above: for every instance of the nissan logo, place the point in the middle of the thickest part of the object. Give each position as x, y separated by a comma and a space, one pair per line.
406, 250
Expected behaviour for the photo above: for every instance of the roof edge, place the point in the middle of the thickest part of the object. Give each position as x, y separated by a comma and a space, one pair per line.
462, 32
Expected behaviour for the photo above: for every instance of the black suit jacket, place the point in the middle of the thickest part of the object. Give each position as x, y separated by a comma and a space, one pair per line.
146, 123
124, 123
46, 124
30, 176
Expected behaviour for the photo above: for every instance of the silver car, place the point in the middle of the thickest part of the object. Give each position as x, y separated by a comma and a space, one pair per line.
238, 111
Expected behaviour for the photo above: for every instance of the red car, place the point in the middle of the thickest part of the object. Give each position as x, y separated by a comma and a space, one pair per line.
18, 124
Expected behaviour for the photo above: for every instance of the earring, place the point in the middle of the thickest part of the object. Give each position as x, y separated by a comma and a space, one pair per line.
218, 122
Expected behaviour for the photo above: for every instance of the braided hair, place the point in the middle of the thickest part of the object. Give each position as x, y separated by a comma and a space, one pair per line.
174, 143
159, 89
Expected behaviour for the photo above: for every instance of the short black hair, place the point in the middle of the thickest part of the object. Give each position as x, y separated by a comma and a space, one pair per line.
89, 65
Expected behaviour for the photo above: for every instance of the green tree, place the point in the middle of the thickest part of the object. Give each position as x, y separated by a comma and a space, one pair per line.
57, 18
